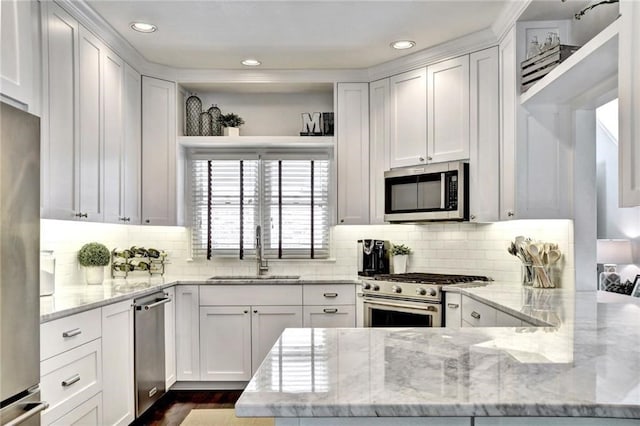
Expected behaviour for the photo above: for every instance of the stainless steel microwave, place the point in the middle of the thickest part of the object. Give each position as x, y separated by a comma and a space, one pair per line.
427, 193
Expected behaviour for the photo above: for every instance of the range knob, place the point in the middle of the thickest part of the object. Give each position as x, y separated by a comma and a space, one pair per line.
396, 289
421, 291
375, 287
366, 286
432, 292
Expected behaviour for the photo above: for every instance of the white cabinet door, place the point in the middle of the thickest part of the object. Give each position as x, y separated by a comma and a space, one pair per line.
484, 144
378, 147
113, 80
267, 323
86, 414
225, 343
170, 338
187, 332
16, 69
158, 152
408, 118
629, 104
90, 127
329, 316
448, 110
60, 121
118, 364
131, 161
353, 153
508, 99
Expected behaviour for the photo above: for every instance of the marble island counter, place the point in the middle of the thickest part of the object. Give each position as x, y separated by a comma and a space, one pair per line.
586, 366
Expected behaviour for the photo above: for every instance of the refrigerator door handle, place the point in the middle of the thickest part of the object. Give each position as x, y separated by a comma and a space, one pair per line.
32, 408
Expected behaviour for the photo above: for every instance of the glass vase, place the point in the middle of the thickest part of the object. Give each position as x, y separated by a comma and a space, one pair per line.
527, 274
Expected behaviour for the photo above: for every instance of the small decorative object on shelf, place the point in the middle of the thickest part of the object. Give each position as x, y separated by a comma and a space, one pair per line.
206, 124
636, 287
216, 122
400, 253
311, 124
194, 108
151, 260
94, 257
552, 54
327, 123
231, 123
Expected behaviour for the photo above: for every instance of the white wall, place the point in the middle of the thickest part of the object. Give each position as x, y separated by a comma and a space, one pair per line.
479, 249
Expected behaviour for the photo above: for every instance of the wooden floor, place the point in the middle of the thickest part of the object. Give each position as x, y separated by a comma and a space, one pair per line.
175, 405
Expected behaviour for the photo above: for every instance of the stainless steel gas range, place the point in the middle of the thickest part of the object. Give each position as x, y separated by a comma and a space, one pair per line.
408, 300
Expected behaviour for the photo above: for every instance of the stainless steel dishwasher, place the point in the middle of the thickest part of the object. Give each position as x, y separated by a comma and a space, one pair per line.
149, 350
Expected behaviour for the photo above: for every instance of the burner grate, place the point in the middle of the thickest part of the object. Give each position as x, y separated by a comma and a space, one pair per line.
426, 278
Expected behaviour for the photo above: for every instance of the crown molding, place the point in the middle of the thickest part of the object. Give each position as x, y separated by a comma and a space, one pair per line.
509, 15
460, 46
271, 76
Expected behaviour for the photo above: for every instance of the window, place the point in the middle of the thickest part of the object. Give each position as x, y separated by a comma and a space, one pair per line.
287, 195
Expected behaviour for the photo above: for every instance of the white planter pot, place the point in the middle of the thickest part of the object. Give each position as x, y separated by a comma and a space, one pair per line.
400, 263
231, 131
94, 274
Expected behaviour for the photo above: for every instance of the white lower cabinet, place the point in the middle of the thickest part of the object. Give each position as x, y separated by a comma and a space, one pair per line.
478, 314
170, 338
187, 332
453, 310
225, 343
267, 324
89, 413
118, 364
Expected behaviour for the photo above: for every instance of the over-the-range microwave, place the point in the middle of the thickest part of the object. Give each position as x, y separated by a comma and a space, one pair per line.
433, 192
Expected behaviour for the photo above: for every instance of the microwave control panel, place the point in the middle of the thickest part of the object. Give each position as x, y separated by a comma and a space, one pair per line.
452, 189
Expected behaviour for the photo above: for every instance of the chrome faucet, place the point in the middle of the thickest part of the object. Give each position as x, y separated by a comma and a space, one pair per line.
263, 266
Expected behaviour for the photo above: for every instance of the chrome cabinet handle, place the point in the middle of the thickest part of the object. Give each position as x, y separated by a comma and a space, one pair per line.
32, 409
475, 315
453, 305
72, 333
331, 295
330, 311
71, 380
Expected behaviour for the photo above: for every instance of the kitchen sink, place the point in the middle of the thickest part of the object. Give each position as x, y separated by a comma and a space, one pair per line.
252, 277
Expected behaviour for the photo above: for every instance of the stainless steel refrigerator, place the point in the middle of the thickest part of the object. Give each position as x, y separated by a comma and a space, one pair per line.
19, 267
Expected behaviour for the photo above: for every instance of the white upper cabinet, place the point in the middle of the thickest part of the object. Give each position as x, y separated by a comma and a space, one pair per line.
17, 52
113, 135
131, 161
508, 99
378, 147
484, 129
353, 153
408, 123
158, 152
60, 115
448, 110
629, 104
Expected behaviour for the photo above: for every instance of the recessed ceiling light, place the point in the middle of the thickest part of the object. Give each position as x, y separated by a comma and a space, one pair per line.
143, 27
251, 62
403, 44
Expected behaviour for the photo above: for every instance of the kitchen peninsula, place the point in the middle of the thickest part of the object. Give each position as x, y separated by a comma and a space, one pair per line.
586, 369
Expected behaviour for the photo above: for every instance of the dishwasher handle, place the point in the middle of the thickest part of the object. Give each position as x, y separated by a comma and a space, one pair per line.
157, 303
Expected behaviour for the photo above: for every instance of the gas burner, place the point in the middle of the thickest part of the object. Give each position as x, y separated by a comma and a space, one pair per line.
426, 278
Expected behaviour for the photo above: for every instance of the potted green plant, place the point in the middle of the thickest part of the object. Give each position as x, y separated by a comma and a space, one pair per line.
400, 253
94, 257
231, 123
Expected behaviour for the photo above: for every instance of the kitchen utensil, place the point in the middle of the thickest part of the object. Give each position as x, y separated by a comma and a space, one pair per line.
553, 256
534, 251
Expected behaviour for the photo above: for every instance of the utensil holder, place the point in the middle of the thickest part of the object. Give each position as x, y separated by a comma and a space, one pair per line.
527, 274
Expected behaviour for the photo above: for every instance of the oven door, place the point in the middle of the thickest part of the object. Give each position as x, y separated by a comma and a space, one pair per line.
384, 312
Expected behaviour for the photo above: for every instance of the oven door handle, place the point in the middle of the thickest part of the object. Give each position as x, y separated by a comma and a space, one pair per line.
400, 305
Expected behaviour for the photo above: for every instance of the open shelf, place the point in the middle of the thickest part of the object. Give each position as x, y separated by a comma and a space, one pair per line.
591, 65
256, 141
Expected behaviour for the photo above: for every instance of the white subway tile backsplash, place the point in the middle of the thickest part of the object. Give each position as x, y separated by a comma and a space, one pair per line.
437, 247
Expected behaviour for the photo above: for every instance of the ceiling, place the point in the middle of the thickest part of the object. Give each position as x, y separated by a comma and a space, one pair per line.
293, 34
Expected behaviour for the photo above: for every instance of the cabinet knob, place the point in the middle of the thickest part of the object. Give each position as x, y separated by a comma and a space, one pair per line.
330, 311
472, 217
510, 213
246, 311
421, 159
429, 158
255, 311
475, 315
341, 220
80, 214
147, 221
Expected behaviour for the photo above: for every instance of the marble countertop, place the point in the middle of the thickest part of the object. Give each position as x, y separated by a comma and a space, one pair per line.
76, 298
586, 365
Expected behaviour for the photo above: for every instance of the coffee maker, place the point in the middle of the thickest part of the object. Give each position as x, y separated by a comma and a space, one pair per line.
373, 257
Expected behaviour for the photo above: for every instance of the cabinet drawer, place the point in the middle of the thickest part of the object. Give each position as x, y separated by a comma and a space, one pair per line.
69, 332
478, 314
70, 378
453, 310
335, 294
87, 413
331, 316
268, 294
